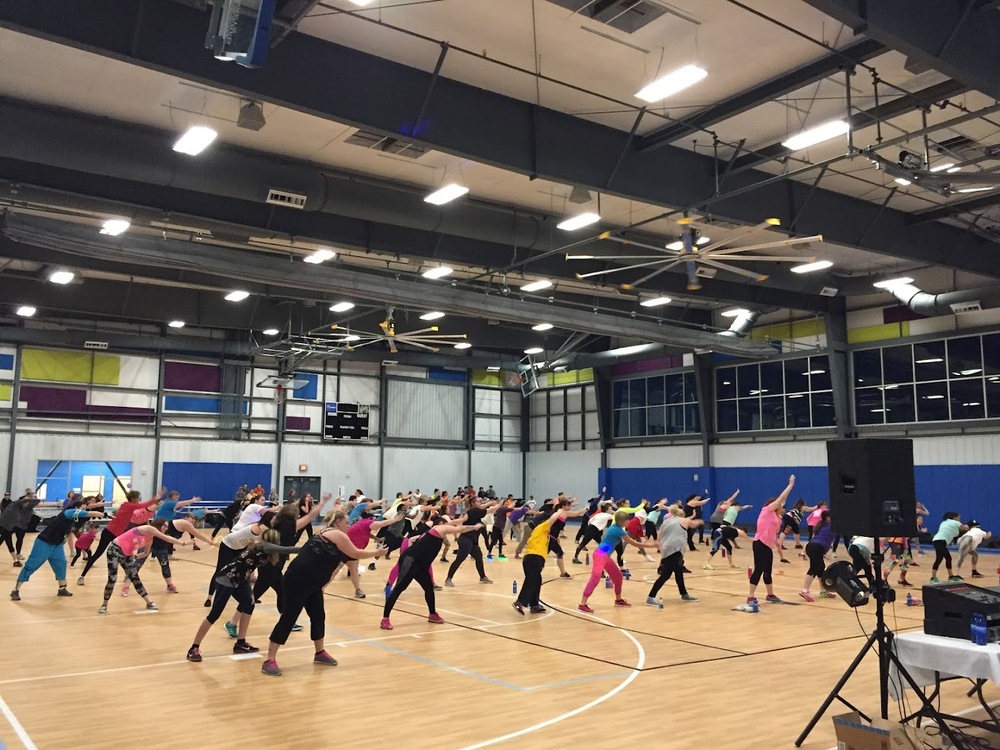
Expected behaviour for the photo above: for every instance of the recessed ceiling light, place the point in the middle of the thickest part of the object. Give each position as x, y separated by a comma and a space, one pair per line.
536, 286
942, 167
493, 368
320, 255
432, 316
342, 307
934, 396
818, 265
978, 189
270, 331
678, 245
195, 140
237, 296
734, 313
534, 350
901, 181
579, 221
580, 257
542, 327
671, 83
930, 361
954, 169
176, 324
446, 194
655, 301
463, 345
114, 227
892, 283
815, 135
703, 240
26, 311
438, 272
61, 277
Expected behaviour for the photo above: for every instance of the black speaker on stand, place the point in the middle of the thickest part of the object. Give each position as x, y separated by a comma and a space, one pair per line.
872, 490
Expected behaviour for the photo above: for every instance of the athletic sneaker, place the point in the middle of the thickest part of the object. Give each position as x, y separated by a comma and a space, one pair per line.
484, 579
501, 557
437, 588
490, 558
232, 630
151, 606
244, 648
435, 618
577, 561
21, 557
706, 566
772, 599
537, 609
977, 574
371, 566
934, 579
385, 624
685, 569
518, 608
15, 596
17, 564
622, 603
565, 575
517, 557
124, 590
63, 591
172, 588
324, 658
296, 628
271, 668
652, 601
449, 583
827, 595
444, 559
585, 608
194, 654
688, 598
903, 582
955, 578
79, 581
805, 595
103, 609
208, 602
359, 594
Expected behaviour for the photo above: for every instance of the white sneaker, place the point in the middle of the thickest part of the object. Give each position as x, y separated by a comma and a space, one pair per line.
706, 566
654, 602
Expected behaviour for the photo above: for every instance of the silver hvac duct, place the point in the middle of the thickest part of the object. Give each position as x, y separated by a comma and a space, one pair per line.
742, 325
948, 303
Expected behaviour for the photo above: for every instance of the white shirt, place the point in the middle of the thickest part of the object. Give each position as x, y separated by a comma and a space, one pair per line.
251, 514
976, 535
241, 538
601, 520
865, 541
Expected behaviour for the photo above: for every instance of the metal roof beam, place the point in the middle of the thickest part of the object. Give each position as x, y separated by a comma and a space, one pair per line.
958, 207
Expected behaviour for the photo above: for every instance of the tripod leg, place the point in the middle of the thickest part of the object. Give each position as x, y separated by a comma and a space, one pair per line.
931, 711
834, 694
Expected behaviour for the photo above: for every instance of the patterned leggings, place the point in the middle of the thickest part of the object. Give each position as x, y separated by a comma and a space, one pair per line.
129, 564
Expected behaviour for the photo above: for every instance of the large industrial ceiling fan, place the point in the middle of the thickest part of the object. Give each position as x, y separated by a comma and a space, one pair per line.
912, 169
427, 339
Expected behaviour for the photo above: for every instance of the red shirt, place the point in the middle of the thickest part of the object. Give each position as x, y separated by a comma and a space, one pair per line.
359, 533
123, 516
635, 528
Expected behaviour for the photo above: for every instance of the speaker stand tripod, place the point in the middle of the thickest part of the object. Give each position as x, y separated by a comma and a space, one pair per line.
881, 639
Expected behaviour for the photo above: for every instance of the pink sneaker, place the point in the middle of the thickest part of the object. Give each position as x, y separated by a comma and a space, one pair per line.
584, 608
805, 595
435, 618
622, 603
171, 588
385, 624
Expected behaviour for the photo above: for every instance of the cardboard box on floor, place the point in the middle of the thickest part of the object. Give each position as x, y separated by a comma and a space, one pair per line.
854, 733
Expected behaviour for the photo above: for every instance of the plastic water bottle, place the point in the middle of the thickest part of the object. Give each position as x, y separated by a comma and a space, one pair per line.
607, 583
388, 590
628, 574
909, 599
749, 572
754, 606
515, 587
586, 561
979, 634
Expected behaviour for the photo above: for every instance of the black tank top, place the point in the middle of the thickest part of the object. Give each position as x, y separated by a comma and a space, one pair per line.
172, 531
472, 517
315, 564
424, 550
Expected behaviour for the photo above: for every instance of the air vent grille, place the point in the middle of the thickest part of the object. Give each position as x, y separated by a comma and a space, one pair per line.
385, 144
966, 307
286, 199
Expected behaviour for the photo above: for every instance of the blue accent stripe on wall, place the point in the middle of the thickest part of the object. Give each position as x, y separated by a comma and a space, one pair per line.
310, 390
440, 373
215, 482
200, 404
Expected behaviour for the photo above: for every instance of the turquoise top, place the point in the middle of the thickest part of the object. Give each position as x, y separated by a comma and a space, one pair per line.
948, 530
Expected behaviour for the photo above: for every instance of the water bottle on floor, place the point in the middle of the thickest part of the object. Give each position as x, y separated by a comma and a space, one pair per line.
909, 600
586, 561
388, 590
515, 587
607, 583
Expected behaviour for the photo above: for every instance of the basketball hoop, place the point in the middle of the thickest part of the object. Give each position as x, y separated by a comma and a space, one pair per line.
279, 394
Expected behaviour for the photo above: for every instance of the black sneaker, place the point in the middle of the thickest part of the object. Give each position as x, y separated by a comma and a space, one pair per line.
17, 564
244, 648
193, 654
63, 591
15, 595
208, 602
977, 574
518, 608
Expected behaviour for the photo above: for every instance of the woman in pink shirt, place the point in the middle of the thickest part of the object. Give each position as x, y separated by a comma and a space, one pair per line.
765, 539
124, 551
360, 533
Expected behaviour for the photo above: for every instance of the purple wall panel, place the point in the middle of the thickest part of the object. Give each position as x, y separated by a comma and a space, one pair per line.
71, 403
647, 365
184, 376
298, 423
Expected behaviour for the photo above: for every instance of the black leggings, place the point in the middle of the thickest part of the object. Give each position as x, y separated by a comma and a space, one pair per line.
837, 539
7, 536
307, 530
690, 536
941, 555
496, 537
226, 555
296, 599
131, 567
410, 570
84, 552
222, 595
269, 577
162, 555
590, 534
218, 521
531, 590
861, 564
650, 529
468, 544
720, 539
815, 554
763, 560
106, 538
673, 565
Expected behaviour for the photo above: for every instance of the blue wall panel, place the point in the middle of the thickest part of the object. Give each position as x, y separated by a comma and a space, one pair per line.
68, 475
215, 482
652, 483
310, 390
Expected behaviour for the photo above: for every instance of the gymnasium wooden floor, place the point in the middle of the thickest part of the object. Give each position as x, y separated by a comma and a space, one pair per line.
690, 675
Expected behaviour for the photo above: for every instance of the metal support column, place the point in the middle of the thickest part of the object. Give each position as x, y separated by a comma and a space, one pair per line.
705, 385
470, 424
15, 396
157, 429
383, 417
836, 344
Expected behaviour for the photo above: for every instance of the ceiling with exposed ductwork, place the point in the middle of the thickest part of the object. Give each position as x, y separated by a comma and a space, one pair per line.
531, 105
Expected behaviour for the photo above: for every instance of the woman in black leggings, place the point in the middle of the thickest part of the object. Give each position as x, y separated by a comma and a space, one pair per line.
468, 543
303, 588
765, 540
415, 563
951, 526
815, 551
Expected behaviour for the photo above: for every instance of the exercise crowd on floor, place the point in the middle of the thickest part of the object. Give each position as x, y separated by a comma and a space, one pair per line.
264, 533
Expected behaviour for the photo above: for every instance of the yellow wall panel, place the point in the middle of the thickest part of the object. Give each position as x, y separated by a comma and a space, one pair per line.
798, 329
6, 391
879, 332
572, 376
69, 367
487, 378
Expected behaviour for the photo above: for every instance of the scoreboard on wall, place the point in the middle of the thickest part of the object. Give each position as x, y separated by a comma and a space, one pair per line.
345, 421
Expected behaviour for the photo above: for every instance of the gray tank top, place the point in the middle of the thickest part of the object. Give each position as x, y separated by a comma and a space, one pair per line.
673, 537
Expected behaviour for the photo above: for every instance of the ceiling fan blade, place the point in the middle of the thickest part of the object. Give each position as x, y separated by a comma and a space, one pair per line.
768, 245
620, 269
422, 346
656, 273
735, 269
745, 232
633, 243
392, 345
775, 258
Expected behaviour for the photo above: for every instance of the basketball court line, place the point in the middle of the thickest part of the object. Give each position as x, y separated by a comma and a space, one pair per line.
19, 730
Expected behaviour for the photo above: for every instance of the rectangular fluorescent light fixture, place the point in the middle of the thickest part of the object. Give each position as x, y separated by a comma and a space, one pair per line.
176, 324
237, 296
929, 361
655, 301
978, 189
579, 257
890, 283
815, 135
901, 181
943, 167
320, 255
534, 350
814, 372
195, 140
734, 313
438, 272
971, 403
26, 311
818, 265
954, 169
935, 396
536, 286
446, 194
342, 307
114, 227
678, 245
579, 221
880, 411
432, 316
542, 327
463, 345
61, 277
671, 83
362, 3
493, 368
973, 371
270, 331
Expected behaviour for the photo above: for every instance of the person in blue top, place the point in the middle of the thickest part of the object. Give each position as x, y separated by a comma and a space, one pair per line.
169, 508
614, 535
951, 526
